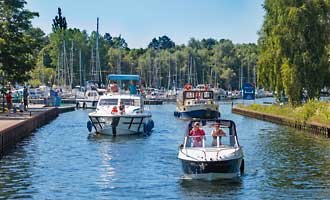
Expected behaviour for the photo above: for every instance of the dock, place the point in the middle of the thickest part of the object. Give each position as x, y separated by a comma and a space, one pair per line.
15, 126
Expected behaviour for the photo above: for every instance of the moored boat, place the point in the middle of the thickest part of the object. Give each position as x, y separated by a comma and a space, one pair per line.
212, 158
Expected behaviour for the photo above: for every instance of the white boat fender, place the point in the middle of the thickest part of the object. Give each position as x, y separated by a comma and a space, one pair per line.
89, 126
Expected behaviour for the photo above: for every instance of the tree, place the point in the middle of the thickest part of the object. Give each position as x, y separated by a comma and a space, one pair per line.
17, 40
293, 43
59, 22
163, 42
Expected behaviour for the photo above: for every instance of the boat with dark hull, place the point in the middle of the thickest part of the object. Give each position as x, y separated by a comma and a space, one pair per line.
220, 157
196, 103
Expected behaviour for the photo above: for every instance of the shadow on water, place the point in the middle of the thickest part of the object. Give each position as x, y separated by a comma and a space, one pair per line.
205, 189
118, 139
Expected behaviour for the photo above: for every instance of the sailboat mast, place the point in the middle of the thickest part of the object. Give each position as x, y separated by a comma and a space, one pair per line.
98, 67
80, 77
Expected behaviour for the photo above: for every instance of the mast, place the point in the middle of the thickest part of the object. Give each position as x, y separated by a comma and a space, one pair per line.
80, 77
71, 66
169, 72
98, 67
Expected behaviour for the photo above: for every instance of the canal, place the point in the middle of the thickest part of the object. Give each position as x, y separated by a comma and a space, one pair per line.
62, 160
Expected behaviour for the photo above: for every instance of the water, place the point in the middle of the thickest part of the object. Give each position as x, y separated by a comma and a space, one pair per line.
62, 160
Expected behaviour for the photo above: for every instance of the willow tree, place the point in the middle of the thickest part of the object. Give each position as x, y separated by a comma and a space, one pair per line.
293, 57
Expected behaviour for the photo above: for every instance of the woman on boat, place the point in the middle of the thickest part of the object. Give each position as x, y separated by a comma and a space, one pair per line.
197, 135
121, 107
217, 132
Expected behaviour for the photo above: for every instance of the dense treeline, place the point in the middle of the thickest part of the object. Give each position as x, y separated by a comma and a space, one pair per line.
291, 58
69, 51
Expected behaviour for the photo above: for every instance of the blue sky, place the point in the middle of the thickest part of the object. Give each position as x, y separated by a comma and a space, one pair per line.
138, 21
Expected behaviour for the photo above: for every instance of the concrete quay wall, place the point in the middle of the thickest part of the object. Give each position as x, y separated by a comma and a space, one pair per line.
15, 133
312, 127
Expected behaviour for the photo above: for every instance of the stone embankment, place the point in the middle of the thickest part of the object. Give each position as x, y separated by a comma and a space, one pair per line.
312, 127
15, 126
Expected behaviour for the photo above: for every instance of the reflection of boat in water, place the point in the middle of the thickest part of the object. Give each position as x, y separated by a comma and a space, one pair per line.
196, 103
220, 158
121, 114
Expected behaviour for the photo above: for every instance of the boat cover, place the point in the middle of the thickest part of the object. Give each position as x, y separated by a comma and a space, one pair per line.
123, 77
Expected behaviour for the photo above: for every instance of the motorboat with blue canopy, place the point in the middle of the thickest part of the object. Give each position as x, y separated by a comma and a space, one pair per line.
208, 156
121, 112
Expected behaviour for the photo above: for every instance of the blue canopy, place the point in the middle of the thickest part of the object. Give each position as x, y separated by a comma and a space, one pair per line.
123, 77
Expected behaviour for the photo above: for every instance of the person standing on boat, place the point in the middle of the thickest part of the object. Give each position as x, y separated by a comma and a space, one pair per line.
132, 88
217, 132
197, 135
121, 107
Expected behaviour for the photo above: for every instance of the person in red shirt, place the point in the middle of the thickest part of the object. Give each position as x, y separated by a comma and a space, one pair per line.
197, 134
9, 101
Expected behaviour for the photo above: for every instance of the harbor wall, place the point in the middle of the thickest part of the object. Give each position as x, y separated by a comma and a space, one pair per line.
15, 133
312, 127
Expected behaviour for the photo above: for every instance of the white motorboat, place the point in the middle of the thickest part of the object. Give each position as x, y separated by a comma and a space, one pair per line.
196, 103
216, 157
120, 113
89, 99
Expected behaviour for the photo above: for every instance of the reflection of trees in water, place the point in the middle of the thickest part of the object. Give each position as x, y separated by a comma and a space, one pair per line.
204, 189
295, 159
15, 174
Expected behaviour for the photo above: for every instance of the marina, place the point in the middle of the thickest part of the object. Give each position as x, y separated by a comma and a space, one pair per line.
144, 100
277, 159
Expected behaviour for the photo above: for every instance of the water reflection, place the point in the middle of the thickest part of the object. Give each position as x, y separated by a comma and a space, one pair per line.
15, 173
295, 160
204, 189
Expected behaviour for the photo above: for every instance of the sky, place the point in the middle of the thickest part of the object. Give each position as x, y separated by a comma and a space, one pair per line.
139, 21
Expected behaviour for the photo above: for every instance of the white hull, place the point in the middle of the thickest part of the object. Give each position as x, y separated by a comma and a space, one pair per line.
121, 124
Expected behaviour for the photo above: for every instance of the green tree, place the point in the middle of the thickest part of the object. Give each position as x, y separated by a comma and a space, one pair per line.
59, 22
17, 40
293, 57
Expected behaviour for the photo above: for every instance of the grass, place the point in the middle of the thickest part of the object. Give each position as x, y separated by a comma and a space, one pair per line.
313, 111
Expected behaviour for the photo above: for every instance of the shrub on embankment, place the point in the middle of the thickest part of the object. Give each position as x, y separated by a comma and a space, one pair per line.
312, 112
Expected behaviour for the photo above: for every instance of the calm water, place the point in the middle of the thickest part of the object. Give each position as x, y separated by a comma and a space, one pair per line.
63, 161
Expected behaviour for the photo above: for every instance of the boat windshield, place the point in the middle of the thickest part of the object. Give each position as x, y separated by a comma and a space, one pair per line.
131, 102
198, 95
223, 139
108, 102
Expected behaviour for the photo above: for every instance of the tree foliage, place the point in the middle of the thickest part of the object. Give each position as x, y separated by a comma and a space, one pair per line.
18, 41
59, 22
293, 47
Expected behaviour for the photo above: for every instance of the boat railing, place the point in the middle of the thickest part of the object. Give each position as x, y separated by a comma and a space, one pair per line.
203, 141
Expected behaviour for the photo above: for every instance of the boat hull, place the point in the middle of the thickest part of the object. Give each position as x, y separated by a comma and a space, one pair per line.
201, 113
211, 169
122, 125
